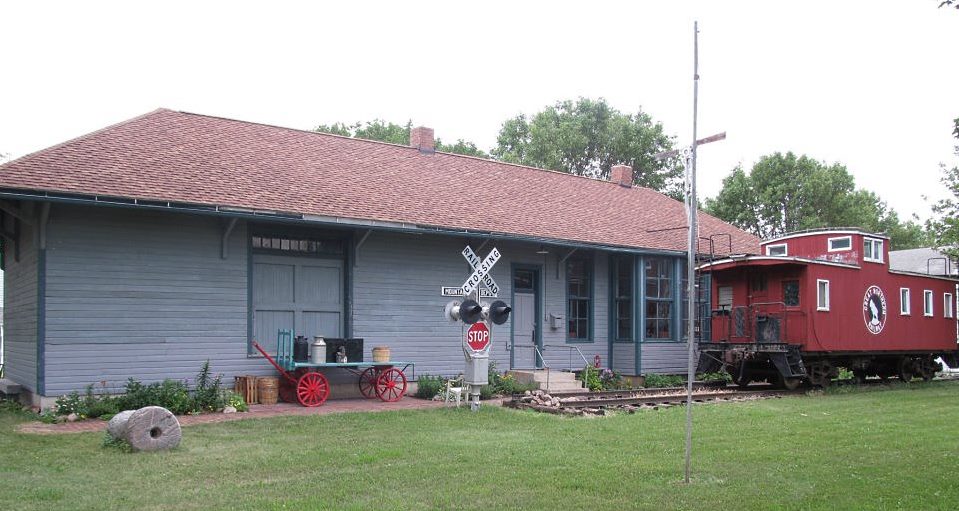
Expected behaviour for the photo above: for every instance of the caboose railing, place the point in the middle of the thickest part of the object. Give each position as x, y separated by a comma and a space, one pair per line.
764, 322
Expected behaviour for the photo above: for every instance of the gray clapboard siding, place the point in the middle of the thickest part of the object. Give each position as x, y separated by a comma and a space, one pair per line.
397, 302
664, 357
143, 295
624, 357
20, 314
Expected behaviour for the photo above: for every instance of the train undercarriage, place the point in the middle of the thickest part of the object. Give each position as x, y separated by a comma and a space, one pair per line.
789, 367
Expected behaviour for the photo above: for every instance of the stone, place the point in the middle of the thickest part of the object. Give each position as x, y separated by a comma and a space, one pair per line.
117, 427
153, 428
72, 417
229, 409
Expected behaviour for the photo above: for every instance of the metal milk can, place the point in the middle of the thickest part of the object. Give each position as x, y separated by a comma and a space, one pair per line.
318, 350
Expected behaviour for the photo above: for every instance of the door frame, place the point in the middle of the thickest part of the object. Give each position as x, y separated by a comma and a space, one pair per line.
537, 270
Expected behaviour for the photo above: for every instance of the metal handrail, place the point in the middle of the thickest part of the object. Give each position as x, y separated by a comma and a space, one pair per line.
570, 348
536, 353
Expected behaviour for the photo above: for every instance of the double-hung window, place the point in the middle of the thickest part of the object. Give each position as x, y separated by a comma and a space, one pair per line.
947, 307
822, 295
927, 303
579, 300
659, 298
623, 298
872, 250
904, 307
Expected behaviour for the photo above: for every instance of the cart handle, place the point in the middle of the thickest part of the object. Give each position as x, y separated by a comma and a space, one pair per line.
270, 359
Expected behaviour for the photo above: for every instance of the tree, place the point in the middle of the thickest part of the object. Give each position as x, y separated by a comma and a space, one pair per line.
587, 137
395, 134
785, 193
945, 227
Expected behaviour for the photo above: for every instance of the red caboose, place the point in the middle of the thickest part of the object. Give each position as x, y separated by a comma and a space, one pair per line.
819, 300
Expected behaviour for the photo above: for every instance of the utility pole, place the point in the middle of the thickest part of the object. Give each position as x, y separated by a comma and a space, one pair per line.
691, 206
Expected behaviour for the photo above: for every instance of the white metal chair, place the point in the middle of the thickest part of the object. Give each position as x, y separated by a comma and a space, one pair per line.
456, 388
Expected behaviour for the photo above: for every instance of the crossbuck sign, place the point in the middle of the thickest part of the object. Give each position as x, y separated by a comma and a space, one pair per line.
481, 271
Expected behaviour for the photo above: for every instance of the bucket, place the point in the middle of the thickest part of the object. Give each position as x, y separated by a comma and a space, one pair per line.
381, 354
267, 387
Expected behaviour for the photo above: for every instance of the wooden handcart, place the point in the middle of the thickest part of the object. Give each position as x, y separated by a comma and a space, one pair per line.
303, 382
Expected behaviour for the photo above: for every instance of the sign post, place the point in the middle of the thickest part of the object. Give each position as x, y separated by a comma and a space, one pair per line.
477, 339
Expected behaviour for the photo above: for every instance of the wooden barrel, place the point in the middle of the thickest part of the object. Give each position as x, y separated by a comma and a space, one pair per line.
381, 354
267, 387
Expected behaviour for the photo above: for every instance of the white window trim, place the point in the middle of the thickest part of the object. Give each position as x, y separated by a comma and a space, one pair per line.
947, 305
819, 295
905, 308
877, 248
784, 246
847, 249
927, 305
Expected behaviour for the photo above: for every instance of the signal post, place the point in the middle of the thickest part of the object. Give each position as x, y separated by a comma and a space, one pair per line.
477, 339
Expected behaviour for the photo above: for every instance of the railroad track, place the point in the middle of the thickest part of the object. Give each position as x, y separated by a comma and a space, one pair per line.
598, 403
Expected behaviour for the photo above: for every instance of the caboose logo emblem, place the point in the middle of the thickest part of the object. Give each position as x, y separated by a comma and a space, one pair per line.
874, 309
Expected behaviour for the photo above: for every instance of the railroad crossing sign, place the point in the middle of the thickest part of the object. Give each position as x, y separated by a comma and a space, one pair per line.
481, 271
477, 337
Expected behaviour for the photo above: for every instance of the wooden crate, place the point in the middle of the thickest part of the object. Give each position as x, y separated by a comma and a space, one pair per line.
246, 387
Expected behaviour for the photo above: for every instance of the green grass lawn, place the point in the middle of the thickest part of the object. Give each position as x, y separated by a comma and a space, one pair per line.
893, 448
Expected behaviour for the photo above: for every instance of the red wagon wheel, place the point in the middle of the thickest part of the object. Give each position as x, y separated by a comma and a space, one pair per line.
368, 383
312, 389
391, 385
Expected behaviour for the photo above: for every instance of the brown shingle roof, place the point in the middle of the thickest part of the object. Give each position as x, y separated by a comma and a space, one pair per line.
189, 158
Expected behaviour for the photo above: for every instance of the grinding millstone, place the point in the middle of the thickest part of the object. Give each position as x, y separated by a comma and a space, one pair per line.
153, 428
117, 427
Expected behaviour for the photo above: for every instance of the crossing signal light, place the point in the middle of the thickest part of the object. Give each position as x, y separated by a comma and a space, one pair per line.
497, 312
469, 311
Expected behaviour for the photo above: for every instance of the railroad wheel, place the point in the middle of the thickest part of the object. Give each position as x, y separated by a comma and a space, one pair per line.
928, 368
312, 389
859, 376
907, 369
391, 385
820, 374
368, 383
789, 383
743, 381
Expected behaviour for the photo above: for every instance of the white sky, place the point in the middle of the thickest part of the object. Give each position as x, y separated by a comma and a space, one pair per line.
871, 84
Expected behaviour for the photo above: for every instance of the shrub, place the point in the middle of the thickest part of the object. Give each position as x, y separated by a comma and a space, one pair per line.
590, 376
170, 394
208, 395
721, 376
236, 401
664, 380
427, 387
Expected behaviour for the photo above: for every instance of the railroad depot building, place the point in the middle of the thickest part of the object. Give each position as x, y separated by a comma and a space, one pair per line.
145, 248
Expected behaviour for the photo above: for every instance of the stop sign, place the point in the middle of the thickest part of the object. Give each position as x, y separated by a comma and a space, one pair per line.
477, 337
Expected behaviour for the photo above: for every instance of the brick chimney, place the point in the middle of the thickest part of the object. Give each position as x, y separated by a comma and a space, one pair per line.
621, 175
421, 138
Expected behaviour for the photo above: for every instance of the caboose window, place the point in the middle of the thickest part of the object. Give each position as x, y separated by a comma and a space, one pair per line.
872, 250
791, 293
840, 244
947, 305
927, 303
904, 307
822, 295
777, 250
659, 298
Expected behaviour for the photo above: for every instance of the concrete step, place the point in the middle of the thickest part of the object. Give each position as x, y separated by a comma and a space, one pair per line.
9, 388
538, 376
559, 381
560, 387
